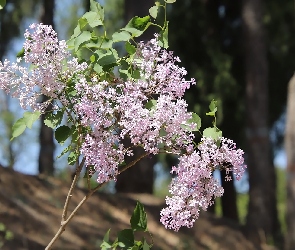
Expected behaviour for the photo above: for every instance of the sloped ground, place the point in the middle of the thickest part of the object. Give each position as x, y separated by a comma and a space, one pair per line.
31, 208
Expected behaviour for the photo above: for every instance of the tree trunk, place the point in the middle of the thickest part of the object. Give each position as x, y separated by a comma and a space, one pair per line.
46, 154
215, 31
290, 146
262, 220
139, 178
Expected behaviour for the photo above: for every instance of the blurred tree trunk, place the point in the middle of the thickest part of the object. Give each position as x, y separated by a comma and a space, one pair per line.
215, 32
262, 219
290, 150
46, 154
139, 178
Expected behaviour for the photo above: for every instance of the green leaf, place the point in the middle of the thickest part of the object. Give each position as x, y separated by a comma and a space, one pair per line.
151, 104
195, 119
82, 22
154, 11
145, 246
213, 106
82, 38
138, 219
96, 7
83, 54
214, 133
72, 158
30, 118
77, 32
130, 48
93, 19
71, 43
121, 36
137, 25
163, 39
25, 122
66, 150
92, 58
62, 133
2, 4
100, 43
170, 1
20, 53
109, 58
106, 43
107, 236
124, 74
105, 245
126, 238
162, 132
135, 74
18, 128
97, 68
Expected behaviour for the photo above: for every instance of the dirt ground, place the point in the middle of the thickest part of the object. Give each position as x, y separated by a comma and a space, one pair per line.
31, 208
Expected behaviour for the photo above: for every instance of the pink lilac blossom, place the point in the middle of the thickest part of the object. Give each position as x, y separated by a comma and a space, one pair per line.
122, 107
51, 68
112, 111
160, 125
194, 188
159, 70
101, 151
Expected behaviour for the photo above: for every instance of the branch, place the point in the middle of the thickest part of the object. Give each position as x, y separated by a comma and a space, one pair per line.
133, 163
69, 196
65, 221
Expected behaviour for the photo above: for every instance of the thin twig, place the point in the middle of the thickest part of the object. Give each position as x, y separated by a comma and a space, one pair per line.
69, 196
88, 180
91, 192
133, 163
65, 222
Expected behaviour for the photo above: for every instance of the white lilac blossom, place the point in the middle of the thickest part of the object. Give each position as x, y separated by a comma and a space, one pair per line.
51, 67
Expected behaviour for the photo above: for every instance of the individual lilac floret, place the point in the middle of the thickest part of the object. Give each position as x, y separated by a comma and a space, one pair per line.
195, 188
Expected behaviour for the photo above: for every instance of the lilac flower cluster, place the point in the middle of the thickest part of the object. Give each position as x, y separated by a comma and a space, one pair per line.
50, 69
195, 188
119, 110
160, 76
149, 111
159, 71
